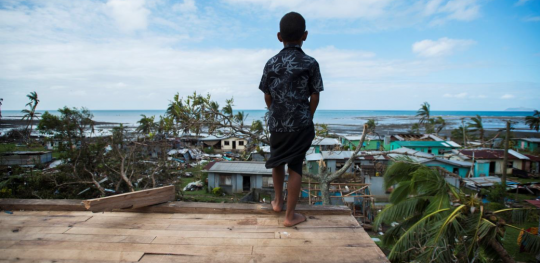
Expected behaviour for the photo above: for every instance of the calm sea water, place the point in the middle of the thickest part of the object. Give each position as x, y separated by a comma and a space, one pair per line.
492, 119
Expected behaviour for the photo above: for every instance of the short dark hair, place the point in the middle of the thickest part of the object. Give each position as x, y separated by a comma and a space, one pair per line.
292, 27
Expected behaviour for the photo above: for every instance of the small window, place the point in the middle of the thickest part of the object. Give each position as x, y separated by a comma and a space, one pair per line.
429, 150
510, 164
225, 180
227, 143
241, 143
268, 181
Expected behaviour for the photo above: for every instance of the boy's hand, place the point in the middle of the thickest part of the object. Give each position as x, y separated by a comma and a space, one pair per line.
268, 100
313, 103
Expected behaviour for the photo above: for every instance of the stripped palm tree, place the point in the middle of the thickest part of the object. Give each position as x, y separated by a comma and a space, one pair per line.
476, 125
439, 123
436, 223
533, 121
424, 113
30, 114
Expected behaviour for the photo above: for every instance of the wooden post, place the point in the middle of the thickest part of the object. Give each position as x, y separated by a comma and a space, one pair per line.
309, 191
506, 146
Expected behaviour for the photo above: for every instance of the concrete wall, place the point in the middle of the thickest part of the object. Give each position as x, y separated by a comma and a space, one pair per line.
230, 146
376, 187
237, 182
25, 159
462, 171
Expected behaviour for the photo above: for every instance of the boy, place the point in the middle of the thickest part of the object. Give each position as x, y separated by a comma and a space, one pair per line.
291, 83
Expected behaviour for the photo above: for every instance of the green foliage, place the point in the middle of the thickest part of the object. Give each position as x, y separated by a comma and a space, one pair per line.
533, 121
497, 193
217, 191
209, 150
438, 224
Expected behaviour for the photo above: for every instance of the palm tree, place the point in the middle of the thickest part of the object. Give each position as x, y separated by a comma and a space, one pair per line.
30, 114
146, 124
438, 224
424, 113
371, 125
439, 123
533, 121
476, 126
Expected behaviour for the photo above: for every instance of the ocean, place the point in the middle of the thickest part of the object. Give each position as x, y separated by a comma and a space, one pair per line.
492, 119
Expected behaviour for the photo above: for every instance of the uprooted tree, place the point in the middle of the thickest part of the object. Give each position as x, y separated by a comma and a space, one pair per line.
198, 113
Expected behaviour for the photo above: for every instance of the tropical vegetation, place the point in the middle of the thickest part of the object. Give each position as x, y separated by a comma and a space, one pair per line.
438, 223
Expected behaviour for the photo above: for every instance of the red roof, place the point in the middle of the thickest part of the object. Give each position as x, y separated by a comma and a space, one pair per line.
209, 165
534, 202
533, 158
487, 154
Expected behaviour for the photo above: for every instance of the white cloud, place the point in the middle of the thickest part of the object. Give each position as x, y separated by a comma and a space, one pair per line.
185, 7
441, 47
383, 11
507, 96
341, 9
459, 95
130, 15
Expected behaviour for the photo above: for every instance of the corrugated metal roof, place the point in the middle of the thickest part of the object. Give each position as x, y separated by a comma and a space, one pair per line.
425, 144
325, 141
487, 154
238, 167
314, 157
518, 155
358, 137
529, 139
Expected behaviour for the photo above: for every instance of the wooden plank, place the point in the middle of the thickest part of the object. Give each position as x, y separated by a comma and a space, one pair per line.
131, 200
237, 208
42, 204
44, 254
271, 242
193, 222
312, 258
172, 207
128, 247
18, 230
6, 244
139, 232
80, 238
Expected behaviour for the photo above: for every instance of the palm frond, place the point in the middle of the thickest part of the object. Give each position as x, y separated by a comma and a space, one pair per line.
405, 241
400, 211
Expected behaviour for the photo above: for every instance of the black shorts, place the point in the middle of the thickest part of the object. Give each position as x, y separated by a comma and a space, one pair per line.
290, 148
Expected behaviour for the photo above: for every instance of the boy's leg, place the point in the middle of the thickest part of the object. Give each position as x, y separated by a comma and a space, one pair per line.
293, 191
278, 177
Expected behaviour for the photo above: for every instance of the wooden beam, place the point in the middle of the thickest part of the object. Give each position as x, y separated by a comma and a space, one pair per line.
170, 207
131, 200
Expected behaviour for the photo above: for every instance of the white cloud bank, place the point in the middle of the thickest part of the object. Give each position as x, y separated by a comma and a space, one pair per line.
441, 47
507, 96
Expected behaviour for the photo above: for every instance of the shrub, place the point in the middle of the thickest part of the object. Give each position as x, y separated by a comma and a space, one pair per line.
209, 150
217, 191
497, 193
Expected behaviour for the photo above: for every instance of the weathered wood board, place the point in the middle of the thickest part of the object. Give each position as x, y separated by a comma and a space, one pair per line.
131, 200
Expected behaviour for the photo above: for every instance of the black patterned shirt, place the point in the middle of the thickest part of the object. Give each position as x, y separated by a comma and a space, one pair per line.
290, 77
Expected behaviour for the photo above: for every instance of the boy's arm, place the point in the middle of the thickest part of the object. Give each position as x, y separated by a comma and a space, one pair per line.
313, 103
268, 99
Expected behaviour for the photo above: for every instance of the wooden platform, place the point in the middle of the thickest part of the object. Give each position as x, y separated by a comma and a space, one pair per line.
230, 234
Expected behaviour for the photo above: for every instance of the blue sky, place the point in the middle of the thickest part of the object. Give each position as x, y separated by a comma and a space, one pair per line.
374, 54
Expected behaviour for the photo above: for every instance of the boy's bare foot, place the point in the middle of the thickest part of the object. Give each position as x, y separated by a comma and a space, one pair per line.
277, 206
297, 219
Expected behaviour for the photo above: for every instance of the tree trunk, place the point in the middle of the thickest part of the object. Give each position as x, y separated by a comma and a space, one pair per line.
503, 254
124, 177
325, 192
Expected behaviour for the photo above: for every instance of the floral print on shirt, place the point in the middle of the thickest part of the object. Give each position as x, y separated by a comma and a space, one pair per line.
290, 77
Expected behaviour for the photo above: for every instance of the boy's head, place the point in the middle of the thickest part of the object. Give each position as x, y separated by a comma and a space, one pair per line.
292, 28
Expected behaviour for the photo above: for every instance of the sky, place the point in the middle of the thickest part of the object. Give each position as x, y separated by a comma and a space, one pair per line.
373, 54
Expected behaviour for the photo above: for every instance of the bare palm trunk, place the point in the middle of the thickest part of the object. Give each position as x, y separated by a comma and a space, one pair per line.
503, 254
